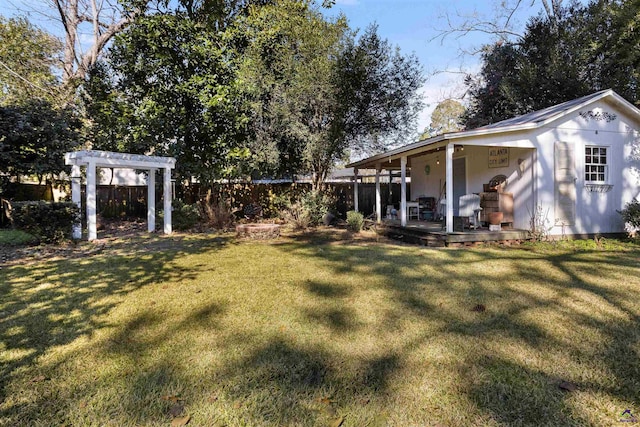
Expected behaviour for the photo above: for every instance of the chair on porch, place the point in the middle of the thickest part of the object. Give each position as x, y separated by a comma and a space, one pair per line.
470, 208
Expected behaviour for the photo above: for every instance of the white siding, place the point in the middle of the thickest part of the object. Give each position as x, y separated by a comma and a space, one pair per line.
531, 160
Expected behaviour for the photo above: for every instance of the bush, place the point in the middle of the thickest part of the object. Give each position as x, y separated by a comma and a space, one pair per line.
49, 222
216, 213
355, 221
631, 214
184, 216
298, 216
317, 203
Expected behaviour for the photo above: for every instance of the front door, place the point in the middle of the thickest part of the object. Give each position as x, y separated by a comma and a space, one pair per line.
459, 182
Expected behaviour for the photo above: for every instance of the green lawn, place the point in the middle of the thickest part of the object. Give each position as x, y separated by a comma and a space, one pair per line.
10, 237
316, 331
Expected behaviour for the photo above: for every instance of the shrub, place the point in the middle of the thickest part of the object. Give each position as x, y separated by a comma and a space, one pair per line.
631, 214
49, 222
317, 203
216, 213
355, 221
298, 216
184, 216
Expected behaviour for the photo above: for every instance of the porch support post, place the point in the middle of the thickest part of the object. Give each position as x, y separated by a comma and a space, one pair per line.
355, 189
151, 201
403, 191
91, 201
390, 199
378, 195
449, 185
76, 197
167, 200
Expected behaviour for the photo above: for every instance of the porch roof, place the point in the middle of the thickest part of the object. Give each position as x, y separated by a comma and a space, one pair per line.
536, 119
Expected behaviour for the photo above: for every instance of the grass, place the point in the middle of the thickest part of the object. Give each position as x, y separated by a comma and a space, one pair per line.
311, 331
15, 238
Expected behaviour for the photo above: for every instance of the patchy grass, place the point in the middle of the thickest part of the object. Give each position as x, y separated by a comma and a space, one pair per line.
311, 330
15, 238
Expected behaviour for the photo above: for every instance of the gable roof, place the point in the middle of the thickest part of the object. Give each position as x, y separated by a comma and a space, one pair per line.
547, 114
526, 121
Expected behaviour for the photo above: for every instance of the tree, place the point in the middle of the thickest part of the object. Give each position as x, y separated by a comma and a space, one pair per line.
35, 131
34, 137
275, 89
319, 92
580, 51
377, 93
174, 93
27, 57
446, 117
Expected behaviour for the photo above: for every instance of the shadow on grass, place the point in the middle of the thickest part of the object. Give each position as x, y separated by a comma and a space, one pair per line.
54, 302
279, 381
509, 392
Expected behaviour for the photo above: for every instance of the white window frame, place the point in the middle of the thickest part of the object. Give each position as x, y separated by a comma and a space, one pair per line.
588, 173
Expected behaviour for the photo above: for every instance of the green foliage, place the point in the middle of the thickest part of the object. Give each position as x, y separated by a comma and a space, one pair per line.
250, 87
298, 216
446, 117
580, 50
355, 221
318, 92
34, 137
377, 99
184, 216
28, 56
15, 238
317, 204
49, 222
631, 214
175, 93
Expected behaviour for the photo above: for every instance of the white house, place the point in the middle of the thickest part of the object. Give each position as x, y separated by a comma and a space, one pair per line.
576, 163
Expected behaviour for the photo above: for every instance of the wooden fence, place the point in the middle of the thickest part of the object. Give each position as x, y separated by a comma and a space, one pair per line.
131, 201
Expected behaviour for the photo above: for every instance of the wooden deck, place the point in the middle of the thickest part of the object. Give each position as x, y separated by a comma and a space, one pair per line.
432, 234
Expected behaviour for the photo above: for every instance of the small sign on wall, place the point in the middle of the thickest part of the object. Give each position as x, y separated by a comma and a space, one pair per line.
498, 157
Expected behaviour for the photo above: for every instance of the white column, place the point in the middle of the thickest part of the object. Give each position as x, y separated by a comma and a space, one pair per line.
355, 189
403, 191
91, 201
167, 200
151, 201
76, 197
378, 196
449, 185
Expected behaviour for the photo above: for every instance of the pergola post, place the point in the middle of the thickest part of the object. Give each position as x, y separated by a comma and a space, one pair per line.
403, 191
355, 189
76, 197
378, 196
151, 201
91, 201
449, 187
167, 200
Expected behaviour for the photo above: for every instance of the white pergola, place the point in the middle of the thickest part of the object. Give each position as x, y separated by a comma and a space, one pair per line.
93, 159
